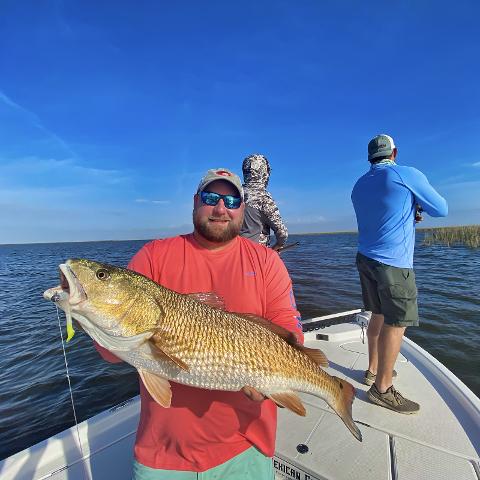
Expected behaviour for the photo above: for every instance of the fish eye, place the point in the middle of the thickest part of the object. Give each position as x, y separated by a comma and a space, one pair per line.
102, 274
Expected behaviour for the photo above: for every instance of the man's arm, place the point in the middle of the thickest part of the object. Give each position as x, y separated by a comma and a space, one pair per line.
281, 307
274, 221
427, 197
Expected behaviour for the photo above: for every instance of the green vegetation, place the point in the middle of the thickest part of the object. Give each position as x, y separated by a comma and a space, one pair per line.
468, 235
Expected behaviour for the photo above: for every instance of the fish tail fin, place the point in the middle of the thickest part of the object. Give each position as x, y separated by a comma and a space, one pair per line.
343, 406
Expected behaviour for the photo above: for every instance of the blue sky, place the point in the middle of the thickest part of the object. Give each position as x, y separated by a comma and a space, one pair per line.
110, 112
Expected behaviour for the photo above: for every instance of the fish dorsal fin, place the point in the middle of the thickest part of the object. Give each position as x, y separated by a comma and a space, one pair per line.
158, 387
161, 353
209, 298
315, 354
287, 335
289, 400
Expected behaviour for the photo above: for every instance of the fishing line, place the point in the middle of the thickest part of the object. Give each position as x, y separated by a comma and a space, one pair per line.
362, 325
86, 475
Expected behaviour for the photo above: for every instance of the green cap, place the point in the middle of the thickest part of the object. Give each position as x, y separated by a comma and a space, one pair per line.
380, 146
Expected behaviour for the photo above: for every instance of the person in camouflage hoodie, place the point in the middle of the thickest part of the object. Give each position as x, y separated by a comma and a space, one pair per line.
261, 212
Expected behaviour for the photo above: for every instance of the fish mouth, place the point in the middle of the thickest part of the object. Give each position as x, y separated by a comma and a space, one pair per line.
70, 284
56, 294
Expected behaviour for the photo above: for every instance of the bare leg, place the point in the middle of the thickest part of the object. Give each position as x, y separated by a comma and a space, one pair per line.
373, 332
389, 343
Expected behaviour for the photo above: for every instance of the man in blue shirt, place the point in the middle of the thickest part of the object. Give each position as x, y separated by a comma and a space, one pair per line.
388, 201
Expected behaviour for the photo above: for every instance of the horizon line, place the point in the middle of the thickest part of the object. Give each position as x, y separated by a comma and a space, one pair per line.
149, 239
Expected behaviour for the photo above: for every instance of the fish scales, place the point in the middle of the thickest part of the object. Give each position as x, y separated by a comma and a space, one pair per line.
229, 351
223, 351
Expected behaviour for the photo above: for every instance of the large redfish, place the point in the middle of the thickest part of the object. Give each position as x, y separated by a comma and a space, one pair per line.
191, 339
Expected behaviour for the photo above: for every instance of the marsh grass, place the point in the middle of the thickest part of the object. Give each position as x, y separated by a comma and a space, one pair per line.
468, 235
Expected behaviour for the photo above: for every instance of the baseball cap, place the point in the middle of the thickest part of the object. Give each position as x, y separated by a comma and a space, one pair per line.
220, 174
380, 146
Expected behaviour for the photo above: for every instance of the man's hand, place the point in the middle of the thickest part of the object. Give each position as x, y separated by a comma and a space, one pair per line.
284, 247
418, 213
253, 394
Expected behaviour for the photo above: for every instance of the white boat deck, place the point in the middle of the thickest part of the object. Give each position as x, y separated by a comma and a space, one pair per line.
441, 442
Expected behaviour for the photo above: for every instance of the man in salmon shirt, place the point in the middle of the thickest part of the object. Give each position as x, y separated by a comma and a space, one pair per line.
223, 435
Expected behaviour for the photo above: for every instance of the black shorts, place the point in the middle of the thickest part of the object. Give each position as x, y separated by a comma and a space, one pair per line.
388, 290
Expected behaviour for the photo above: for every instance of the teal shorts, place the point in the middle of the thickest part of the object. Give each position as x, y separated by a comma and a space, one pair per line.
388, 290
248, 465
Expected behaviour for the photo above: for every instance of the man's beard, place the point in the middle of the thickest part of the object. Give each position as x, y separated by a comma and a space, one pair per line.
217, 233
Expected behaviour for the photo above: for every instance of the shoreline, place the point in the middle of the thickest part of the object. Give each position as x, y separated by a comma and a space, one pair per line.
339, 232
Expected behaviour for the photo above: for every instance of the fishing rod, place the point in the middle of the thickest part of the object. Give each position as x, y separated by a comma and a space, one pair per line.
286, 247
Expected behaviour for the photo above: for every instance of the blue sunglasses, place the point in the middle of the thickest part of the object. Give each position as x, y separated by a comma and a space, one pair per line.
212, 198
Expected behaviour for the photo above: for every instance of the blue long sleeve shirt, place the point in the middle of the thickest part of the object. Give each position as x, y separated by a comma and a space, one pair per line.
384, 200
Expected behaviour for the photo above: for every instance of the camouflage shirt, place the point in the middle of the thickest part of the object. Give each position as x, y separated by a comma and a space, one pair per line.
261, 212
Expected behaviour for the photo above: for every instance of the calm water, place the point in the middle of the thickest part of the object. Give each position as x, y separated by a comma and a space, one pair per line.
34, 396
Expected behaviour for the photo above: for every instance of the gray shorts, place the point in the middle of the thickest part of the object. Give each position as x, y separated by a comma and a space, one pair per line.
388, 290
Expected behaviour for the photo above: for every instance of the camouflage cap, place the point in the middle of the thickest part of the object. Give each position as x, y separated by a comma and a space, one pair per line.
220, 174
380, 146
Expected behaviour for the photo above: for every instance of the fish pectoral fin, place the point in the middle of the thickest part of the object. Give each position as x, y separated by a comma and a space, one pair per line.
158, 388
159, 353
289, 400
315, 354
210, 298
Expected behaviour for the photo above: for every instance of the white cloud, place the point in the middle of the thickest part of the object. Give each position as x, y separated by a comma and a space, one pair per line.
306, 220
466, 185
8, 102
21, 171
155, 202
33, 119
